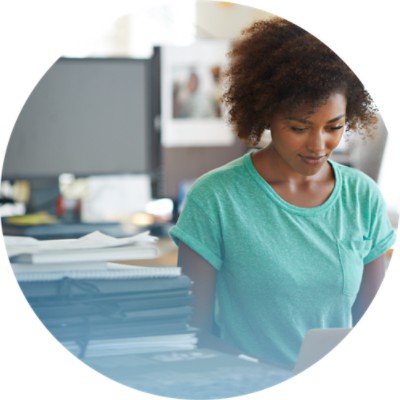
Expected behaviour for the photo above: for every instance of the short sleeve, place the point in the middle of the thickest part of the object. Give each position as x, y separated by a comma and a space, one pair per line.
197, 228
381, 233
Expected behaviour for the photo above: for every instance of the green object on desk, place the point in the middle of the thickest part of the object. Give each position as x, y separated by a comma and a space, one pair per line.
39, 218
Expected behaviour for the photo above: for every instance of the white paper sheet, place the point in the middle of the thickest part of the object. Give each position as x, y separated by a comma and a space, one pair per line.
22, 245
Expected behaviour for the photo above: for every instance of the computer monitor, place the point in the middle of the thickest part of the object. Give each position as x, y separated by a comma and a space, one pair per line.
89, 116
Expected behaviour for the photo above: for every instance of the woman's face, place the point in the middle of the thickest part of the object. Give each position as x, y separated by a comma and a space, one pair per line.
303, 140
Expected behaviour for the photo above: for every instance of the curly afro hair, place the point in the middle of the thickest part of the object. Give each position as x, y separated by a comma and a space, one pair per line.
276, 65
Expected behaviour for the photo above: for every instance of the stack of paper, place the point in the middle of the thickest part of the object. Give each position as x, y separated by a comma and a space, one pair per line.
95, 246
136, 345
102, 307
122, 312
86, 270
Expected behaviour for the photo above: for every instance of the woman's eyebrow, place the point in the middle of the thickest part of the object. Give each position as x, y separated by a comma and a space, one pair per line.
337, 118
308, 122
301, 120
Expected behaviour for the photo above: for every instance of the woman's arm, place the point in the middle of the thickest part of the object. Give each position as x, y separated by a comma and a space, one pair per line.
204, 278
373, 275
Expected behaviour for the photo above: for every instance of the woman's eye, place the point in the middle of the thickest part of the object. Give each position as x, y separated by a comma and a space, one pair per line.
297, 130
335, 128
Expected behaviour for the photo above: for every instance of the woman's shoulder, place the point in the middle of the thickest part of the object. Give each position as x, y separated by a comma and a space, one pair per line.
222, 175
355, 179
219, 183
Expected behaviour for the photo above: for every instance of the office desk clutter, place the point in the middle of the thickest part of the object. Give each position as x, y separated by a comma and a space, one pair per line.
134, 329
117, 313
97, 307
129, 322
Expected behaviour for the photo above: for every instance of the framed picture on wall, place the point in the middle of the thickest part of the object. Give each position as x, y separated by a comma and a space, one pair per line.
192, 114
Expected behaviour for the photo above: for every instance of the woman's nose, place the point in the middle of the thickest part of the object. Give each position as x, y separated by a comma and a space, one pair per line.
315, 142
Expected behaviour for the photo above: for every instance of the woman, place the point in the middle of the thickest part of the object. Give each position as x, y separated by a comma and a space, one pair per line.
283, 240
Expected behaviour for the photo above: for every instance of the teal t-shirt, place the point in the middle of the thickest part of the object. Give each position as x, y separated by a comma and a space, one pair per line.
282, 269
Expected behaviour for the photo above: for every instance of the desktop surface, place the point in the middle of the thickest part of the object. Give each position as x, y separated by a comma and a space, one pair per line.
73, 230
196, 374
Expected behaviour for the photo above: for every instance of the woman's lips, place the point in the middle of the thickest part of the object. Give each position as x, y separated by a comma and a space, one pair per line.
312, 160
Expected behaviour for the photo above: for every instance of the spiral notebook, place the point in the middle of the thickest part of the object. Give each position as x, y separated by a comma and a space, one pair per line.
96, 270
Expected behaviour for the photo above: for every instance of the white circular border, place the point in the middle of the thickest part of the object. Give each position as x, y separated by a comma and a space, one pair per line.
33, 35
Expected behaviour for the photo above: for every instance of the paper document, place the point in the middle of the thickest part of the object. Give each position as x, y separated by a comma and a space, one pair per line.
27, 245
26, 272
136, 345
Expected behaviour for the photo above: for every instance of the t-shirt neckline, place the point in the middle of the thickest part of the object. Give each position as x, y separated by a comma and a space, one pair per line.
248, 162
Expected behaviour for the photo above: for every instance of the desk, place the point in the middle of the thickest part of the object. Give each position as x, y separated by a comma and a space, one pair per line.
197, 374
168, 255
200, 373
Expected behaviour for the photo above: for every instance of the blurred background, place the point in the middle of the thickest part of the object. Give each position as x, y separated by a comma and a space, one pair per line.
111, 138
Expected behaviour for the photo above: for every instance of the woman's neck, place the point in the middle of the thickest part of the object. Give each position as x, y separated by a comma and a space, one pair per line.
294, 188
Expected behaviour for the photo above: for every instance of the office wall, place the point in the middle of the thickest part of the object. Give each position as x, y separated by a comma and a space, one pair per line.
214, 20
187, 163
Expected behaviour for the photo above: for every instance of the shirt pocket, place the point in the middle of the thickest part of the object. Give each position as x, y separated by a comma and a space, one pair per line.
351, 256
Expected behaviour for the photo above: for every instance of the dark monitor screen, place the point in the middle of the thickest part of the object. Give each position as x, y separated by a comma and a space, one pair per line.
87, 116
